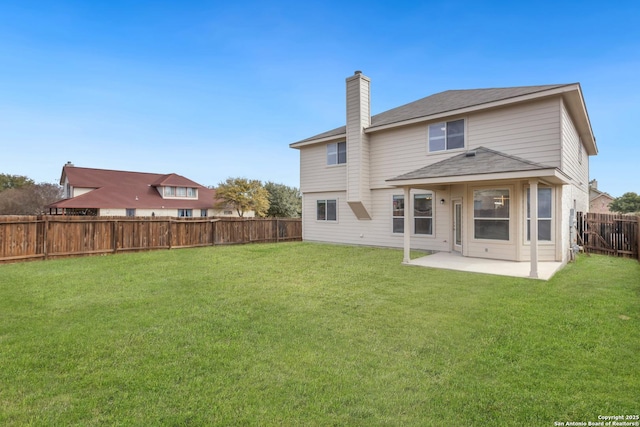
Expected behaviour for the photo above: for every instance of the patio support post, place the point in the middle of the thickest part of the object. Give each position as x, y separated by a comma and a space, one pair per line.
407, 225
533, 215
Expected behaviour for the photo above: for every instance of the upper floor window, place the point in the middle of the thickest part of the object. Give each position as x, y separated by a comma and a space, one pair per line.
446, 135
180, 192
336, 153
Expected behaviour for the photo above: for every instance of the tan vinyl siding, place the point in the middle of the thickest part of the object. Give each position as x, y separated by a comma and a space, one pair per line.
377, 231
574, 160
530, 131
315, 175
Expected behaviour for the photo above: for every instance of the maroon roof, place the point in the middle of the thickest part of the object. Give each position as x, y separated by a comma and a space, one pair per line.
129, 190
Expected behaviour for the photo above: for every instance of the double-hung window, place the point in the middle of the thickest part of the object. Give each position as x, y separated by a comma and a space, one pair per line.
544, 213
446, 135
398, 214
423, 213
185, 213
327, 210
491, 214
336, 153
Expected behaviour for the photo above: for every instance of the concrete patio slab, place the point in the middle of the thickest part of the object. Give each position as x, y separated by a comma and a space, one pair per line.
455, 261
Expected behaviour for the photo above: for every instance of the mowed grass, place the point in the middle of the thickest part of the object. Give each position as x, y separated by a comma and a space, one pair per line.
312, 334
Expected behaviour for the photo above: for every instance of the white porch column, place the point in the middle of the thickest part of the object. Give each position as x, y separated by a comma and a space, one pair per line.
533, 215
407, 225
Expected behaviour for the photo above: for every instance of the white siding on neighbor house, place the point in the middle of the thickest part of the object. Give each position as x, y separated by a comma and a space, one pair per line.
173, 212
530, 131
375, 232
315, 175
79, 191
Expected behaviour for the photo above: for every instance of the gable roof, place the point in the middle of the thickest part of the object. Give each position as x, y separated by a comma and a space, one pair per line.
452, 102
133, 190
481, 163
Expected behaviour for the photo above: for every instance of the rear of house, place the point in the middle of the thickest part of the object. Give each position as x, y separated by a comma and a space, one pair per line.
455, 170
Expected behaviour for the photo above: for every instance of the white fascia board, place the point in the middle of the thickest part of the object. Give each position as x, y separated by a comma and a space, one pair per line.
553, 176
340, 137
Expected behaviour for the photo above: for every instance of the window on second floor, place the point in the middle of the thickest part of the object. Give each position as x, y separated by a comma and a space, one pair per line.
446, 135
186, 192
336, 153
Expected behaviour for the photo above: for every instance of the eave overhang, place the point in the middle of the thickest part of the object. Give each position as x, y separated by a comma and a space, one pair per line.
551, 176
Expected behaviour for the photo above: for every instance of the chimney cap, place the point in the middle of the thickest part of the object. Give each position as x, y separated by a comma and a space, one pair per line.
357, 72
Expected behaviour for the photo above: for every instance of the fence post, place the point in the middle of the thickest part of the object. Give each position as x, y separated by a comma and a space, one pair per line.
170, 233
114, 240
638, 237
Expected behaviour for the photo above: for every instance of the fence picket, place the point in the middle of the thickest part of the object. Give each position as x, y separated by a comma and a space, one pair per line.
609, 234
44, 237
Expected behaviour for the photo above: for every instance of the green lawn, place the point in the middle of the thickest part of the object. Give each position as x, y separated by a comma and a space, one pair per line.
311, 334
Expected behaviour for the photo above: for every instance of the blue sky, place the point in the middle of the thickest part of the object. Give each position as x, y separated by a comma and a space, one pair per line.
213, 89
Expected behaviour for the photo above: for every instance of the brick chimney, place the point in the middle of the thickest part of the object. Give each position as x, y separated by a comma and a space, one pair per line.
358, 119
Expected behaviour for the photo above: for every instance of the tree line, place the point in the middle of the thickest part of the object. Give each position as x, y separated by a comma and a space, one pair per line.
20, 195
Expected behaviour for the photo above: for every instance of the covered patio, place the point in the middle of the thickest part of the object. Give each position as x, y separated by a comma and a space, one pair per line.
455, 261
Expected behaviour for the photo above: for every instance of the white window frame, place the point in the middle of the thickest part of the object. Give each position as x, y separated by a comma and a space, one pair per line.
394, 198
416, 217
399, 219
185, 213
508, 219
192, 192
326, 203
527, 214
333, 153
170, 191
446, 135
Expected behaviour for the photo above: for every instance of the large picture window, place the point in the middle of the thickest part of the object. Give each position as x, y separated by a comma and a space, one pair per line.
327, 210
398, 214
336, 153
491, 214
446, 135
544, 213
423, 213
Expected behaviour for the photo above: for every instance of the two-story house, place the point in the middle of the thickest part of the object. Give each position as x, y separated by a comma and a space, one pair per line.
489, 173
103, 192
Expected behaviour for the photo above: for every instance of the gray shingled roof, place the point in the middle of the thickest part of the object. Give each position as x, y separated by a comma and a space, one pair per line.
484, 161
442, 102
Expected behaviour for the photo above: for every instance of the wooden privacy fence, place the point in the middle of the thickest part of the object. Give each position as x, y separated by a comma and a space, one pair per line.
43, 237
609, 234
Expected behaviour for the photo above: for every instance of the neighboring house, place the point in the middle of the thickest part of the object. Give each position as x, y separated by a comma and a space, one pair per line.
104, 192
599, 201
453, 172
